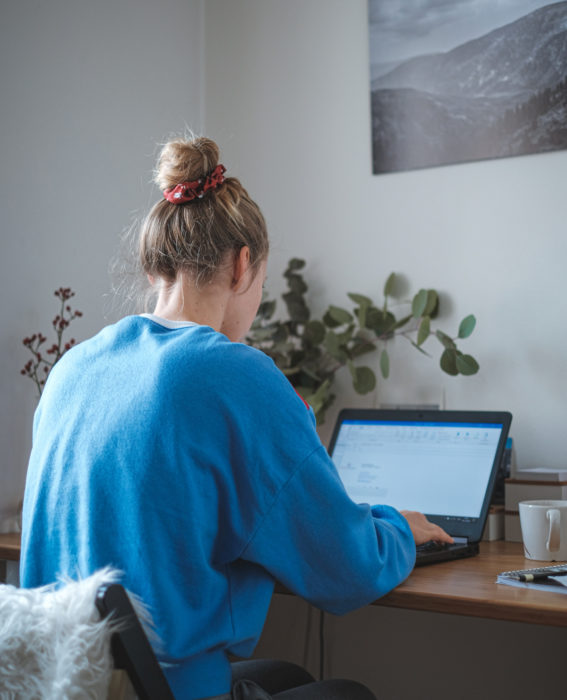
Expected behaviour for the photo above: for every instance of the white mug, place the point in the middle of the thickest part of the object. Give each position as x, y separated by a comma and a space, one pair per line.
544, 529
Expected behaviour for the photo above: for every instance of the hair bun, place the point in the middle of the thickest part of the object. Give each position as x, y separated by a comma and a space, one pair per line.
183, 160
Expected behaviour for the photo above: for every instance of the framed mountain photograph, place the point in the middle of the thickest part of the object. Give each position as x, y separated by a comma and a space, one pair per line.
463, 80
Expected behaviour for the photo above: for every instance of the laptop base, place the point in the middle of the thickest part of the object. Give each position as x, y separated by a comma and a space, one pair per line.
449, 553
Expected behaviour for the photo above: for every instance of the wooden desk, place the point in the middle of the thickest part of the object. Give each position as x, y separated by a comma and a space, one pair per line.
467, 587
10, 558
10, 546
463, 587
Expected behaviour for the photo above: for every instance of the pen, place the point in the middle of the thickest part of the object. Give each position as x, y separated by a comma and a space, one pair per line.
538, 576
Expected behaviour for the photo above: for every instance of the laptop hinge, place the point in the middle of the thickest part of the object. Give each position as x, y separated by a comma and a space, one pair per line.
461, 540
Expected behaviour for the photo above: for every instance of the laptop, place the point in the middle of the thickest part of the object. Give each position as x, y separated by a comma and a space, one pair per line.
441, 463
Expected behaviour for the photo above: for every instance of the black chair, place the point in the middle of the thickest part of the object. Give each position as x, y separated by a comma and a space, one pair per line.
131, 650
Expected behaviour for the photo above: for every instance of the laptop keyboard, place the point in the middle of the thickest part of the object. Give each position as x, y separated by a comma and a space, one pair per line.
432, 546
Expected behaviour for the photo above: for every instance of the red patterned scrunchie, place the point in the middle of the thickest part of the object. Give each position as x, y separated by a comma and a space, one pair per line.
188, 191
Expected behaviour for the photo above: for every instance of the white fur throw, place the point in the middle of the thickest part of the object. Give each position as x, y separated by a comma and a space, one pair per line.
53, 645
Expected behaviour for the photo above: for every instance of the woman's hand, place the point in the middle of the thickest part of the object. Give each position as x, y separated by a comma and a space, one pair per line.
423, 529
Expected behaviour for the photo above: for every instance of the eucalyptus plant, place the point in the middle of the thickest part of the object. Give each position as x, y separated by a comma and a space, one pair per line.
310, 351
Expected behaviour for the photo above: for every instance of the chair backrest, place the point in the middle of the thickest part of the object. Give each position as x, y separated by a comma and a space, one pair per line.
130, 647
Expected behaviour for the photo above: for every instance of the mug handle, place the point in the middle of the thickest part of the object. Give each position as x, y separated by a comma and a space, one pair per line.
554, 536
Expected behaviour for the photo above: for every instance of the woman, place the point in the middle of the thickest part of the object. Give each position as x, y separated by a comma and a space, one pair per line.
165, 447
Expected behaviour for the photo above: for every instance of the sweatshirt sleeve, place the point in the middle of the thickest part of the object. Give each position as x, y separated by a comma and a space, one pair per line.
325, 548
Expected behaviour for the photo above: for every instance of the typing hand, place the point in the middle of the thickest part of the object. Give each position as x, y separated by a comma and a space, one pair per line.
424, 530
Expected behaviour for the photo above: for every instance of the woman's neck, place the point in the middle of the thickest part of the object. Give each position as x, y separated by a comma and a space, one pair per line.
183, 301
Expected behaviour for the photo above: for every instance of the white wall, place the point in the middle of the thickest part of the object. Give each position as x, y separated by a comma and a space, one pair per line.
87, 91
287, 97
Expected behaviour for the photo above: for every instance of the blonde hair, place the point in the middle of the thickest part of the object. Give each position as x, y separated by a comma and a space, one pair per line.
196, 237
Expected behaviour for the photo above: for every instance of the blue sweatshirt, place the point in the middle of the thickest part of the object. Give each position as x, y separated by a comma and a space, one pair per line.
190, 463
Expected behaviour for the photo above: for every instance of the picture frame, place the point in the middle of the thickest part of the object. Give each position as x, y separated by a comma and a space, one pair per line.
452, 82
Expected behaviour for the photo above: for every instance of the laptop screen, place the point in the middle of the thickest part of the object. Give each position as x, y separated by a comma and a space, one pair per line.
440, 463
432, 467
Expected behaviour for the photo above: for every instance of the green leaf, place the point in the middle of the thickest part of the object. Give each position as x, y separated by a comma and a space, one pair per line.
448, 362
363, 304
361, 316
266, 309
296, 308
381, 323
467, 326
364, 380
331, 343
318, 399
432, 303
294, 264
445, 340
373, 317
261, 334
346, 337
340, 315
361, 346
424, 330
385, 364
329, 321
333, 347
419, 303
467, 365
389, 286
296, 284
314, 332
360, 299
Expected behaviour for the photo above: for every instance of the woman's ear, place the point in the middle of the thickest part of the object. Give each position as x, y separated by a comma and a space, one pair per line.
240, 267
